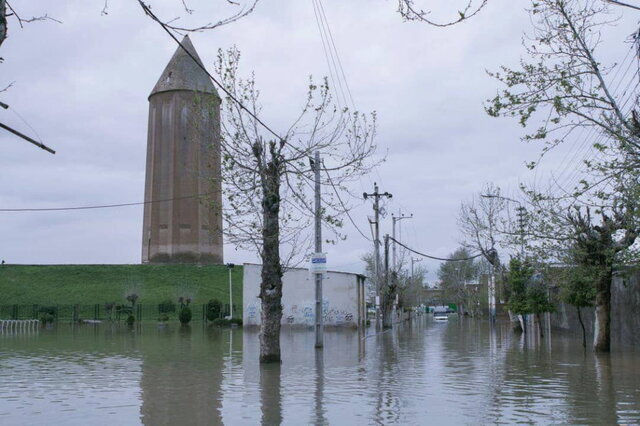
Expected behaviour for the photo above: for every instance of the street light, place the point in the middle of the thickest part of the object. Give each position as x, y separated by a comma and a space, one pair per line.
230, 267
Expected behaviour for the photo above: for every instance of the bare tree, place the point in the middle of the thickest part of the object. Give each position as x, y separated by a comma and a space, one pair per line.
412, 12
243, 9
481, 220
268, 183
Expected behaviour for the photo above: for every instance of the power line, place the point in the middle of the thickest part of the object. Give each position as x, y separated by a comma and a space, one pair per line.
344, 77
233, 98
103, 206
586, 147
434, 257
344, 207
328, 53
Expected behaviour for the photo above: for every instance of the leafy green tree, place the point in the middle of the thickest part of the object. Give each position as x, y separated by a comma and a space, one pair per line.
520, 272
578, 289
538, 301
562, 87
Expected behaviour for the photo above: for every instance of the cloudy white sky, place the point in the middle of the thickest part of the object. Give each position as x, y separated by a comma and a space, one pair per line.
83, 84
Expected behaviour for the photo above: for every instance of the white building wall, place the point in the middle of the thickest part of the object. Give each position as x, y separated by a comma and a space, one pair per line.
340, 292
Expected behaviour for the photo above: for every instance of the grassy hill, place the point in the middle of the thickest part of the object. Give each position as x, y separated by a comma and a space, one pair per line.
99, 284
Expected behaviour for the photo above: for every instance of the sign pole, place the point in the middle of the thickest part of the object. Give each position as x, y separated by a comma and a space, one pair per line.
318, 274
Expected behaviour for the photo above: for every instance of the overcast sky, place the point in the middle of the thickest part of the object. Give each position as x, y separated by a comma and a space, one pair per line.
83, 85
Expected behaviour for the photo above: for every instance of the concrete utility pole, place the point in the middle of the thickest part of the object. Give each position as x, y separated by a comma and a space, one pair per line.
23, 136
318, 213
521, 219
416, 260
395, 219
386, 298
376, 242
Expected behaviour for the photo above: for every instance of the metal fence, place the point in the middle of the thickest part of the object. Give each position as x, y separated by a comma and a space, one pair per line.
100, 312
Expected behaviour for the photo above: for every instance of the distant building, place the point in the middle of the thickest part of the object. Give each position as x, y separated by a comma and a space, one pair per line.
183, 215
343, 302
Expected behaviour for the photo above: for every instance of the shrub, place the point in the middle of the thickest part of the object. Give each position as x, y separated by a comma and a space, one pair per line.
108, 308
132, 298
51, 310
185, 315
214, 309
221, 322
163, 317
130, 320
236, 321
46, 318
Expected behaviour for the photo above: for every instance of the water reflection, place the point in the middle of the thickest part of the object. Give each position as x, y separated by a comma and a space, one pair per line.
320, 418
463, 371
270, 393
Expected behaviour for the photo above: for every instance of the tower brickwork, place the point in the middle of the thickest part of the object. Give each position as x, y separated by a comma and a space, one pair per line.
183, 214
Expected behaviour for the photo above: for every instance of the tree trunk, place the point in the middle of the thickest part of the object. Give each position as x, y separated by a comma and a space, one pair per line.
515, 322
3, 21
387, 310
584, 331
539, 324
271, 286
602, 332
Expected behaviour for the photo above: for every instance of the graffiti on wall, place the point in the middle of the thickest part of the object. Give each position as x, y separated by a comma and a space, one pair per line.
303, 314
253, 313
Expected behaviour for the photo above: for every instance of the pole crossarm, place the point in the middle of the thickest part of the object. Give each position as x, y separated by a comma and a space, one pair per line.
27, 138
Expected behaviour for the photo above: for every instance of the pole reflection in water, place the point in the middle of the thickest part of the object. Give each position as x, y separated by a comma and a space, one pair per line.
320, 418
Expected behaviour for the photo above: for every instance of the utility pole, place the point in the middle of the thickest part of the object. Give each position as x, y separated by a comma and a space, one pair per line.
318, 231
416, 260
521, 219
376, 242
395, 219
386, 296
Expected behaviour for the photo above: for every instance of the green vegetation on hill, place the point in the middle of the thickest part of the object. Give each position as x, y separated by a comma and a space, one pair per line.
99, 284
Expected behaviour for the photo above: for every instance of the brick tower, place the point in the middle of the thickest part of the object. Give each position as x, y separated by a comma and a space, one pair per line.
183, 215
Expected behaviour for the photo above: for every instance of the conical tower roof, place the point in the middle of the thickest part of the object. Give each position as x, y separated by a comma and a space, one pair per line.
183, 73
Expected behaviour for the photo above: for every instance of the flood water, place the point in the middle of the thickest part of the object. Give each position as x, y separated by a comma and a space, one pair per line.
422, 372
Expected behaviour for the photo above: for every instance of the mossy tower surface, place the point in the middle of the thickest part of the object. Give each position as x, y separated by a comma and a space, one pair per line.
183, 214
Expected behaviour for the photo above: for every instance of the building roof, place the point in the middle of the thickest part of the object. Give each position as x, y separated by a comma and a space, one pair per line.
183, 73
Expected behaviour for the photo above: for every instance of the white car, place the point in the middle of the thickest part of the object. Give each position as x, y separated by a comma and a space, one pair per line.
440, 316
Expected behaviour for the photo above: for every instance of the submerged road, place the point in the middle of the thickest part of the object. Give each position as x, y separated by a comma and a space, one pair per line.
457, 372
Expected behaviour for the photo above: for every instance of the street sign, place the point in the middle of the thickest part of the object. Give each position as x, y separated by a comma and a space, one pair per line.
318, 263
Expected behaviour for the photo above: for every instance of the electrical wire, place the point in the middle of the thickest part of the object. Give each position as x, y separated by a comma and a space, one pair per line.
433, 257
328, 53
224, 89
345, 208
103, 206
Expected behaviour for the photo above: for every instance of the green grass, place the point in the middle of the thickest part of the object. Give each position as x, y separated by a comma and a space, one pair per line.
99, 284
